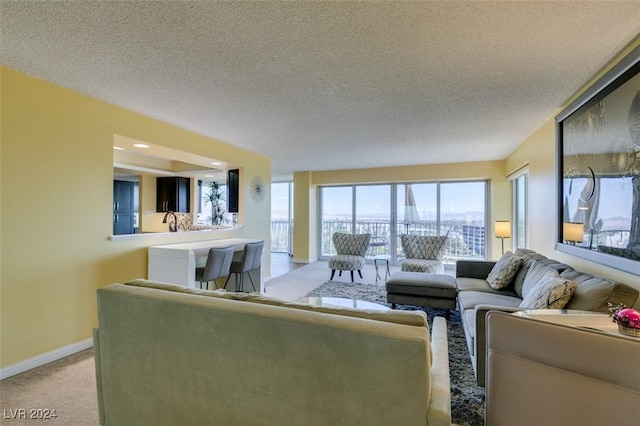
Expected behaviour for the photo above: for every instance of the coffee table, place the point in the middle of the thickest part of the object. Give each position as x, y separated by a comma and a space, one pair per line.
342, 302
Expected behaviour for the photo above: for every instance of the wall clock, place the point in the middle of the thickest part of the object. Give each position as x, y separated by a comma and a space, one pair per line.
257, 189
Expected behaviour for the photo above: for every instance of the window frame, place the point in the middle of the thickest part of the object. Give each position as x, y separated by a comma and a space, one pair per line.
514, 178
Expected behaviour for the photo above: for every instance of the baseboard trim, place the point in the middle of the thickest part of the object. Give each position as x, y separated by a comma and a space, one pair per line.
45, 358
295, 260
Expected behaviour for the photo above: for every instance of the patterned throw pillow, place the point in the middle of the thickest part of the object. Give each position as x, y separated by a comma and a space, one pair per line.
537, 272
550, 293
504, 271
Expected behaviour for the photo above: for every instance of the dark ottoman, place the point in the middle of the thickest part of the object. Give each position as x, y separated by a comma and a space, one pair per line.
436, 291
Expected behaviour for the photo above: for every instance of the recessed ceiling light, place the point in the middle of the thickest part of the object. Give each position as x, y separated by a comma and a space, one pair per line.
208, 175
215, 163
140, 145
119, 148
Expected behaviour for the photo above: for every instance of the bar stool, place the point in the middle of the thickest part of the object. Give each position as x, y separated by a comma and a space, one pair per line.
251, 259
218, 264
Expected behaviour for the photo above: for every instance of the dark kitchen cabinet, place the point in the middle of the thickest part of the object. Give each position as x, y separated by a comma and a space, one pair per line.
173, 194
233, 190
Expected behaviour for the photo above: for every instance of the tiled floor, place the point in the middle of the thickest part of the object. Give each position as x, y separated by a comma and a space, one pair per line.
281, 263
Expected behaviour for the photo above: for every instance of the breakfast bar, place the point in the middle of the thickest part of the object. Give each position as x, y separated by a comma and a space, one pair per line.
176, 263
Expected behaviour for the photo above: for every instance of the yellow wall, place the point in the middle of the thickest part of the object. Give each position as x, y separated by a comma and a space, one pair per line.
56, 212
306, 213
539, 150
304, 250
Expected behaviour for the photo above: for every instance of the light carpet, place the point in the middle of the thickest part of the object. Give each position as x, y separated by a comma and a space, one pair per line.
467, 399
67, 386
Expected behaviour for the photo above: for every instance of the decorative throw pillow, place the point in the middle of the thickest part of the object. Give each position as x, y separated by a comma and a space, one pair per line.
504, 270
537, 272
550, 293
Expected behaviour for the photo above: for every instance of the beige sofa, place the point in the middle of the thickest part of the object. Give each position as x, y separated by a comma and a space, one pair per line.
541, 373
169, 355
476, 297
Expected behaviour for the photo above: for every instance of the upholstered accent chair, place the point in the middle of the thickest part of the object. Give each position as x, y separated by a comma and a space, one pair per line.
423, 253
350, 249
218, 265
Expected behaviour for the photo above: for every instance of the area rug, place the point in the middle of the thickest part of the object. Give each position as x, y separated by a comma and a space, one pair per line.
467, 399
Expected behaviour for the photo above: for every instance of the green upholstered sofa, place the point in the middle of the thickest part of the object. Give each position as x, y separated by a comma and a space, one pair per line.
170, 355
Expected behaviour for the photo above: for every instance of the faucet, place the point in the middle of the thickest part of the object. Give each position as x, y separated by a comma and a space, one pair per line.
173, 224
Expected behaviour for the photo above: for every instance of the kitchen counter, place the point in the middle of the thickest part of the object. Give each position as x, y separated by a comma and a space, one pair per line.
171, 234
176, 263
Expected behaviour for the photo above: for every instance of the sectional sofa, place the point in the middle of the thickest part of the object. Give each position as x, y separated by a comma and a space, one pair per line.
476, 297
167, 354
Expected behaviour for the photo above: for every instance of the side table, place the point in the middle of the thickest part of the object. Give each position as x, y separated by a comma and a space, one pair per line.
382, 258
594, 321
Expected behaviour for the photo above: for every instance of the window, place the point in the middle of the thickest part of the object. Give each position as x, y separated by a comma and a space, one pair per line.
208, 192
281, 216
337, 215
373, 216
417, 211
519, 183
463, 213
456, 209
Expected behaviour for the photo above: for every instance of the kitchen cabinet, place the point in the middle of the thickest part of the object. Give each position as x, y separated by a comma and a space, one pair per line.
173, 194
233, 190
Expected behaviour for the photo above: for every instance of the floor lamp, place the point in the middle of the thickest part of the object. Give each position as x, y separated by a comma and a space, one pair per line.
502, 230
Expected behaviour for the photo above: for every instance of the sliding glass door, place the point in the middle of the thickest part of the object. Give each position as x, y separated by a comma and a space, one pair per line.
337, 215
386, 211
281, 217
373, 216
463, 216
417, 211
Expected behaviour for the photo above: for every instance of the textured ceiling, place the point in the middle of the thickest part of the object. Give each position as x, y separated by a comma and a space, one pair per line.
328, 85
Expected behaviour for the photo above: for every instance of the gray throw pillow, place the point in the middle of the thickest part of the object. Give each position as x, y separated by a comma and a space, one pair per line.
504, 271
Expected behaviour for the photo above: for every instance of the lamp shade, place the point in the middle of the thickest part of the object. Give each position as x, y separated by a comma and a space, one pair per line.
573, 231
502, 229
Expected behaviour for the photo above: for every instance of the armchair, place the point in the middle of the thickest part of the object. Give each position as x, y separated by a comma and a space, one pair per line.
350, 249
541, 373
423, 253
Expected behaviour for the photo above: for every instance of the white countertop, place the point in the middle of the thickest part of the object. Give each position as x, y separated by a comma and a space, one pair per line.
205, 245
174, 234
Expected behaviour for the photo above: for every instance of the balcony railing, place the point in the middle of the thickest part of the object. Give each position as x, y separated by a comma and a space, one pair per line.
466, 241
280, 235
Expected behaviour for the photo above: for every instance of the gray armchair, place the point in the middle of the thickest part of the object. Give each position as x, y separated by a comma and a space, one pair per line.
423, 253
350, 249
